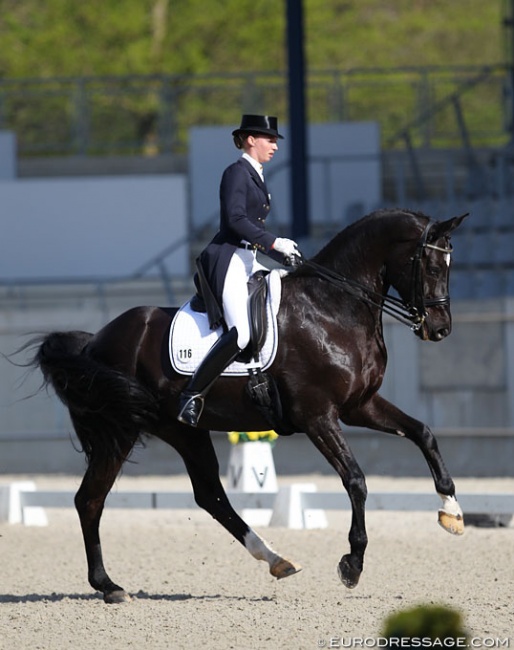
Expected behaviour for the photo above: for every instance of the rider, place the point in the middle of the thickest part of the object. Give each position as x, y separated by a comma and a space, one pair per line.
229, 260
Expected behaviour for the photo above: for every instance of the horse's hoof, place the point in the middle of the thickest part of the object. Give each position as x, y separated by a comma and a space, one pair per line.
117, 597
348, 575
284, 568
454, 524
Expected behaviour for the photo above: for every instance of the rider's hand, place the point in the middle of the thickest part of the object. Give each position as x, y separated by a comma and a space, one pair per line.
287, 247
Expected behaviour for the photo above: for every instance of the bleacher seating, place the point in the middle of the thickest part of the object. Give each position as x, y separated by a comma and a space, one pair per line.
483, 258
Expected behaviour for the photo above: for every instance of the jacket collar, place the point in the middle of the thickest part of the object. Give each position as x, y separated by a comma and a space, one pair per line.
253, 172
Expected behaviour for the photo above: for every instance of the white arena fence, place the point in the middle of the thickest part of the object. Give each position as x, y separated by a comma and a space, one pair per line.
296, 506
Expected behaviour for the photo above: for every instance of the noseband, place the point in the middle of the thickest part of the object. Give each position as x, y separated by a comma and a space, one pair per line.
413, 312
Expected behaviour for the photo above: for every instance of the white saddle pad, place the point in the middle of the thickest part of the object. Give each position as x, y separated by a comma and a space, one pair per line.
191, 338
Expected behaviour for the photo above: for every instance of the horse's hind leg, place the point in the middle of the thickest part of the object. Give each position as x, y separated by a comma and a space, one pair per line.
89, 502
203, 468
381, 415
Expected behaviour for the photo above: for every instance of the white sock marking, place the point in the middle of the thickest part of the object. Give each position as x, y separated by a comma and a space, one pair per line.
257, 547
451, 505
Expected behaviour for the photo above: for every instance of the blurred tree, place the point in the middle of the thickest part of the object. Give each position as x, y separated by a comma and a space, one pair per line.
108, 37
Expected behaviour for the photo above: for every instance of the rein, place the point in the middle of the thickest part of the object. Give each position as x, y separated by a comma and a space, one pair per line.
390, 305
412, 313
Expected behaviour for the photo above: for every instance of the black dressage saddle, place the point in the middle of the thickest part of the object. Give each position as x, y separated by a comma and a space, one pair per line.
261, 386
203, 301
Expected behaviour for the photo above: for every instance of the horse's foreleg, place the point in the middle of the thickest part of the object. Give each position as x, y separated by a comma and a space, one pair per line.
328, 438
89, 502
203, 468
279, 566
381, 415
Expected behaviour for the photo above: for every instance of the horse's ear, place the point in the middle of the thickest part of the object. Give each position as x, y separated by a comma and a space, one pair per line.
444, 228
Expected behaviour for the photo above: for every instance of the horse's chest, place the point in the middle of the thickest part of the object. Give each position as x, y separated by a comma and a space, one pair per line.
363, 366
357, 366
373, 361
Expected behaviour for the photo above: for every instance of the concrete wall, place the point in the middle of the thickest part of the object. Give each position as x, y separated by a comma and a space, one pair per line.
462, 387
466, 455
90, 227
7, 155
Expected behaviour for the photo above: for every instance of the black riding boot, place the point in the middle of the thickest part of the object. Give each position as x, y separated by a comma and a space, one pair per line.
221, 355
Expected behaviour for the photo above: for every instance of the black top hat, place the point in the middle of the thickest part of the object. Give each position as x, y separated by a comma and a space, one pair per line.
259, 124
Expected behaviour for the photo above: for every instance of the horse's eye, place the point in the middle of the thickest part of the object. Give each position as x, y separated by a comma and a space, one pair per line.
434, 271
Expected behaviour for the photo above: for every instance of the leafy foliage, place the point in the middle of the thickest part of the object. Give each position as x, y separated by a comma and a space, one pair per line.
426, 623
120, 42
108, 37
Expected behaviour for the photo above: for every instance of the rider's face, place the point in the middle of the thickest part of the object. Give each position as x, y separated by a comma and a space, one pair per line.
262, 147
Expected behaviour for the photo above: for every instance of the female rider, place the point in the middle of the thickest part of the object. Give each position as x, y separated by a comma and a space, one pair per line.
229, 259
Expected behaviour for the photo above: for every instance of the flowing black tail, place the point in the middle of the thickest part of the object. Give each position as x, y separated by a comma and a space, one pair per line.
108, 408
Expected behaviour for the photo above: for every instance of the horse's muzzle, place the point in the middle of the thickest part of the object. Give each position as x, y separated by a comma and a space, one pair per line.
433, 331
441, 333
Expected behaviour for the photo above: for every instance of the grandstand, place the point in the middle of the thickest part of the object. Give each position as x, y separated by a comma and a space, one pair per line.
446, 158
450, 155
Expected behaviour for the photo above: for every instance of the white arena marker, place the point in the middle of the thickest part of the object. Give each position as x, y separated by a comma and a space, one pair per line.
290, 513
251, 469
12, 509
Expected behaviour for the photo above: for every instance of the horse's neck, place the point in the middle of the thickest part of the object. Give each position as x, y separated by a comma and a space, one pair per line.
360, 258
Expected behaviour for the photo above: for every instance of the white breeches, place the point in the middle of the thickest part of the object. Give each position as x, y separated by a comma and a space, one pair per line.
235, 293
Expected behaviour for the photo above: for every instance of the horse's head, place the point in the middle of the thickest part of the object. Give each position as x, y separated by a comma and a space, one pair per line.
423, 281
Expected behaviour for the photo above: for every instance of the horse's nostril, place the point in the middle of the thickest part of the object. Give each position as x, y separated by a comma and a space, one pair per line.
443, 332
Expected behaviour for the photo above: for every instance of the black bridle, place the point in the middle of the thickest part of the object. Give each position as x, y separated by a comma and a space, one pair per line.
412, 312
418, 302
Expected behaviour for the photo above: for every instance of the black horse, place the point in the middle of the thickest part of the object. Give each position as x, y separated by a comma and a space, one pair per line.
118, 384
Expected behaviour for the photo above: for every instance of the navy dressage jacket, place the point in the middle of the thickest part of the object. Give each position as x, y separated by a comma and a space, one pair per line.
244, 206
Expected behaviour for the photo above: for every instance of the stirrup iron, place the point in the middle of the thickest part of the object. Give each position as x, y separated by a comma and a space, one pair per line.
189, 413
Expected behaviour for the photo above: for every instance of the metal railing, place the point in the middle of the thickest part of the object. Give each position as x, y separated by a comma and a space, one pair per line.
152, 114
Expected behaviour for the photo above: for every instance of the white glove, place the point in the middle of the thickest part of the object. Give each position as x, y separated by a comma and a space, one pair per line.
287, 247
